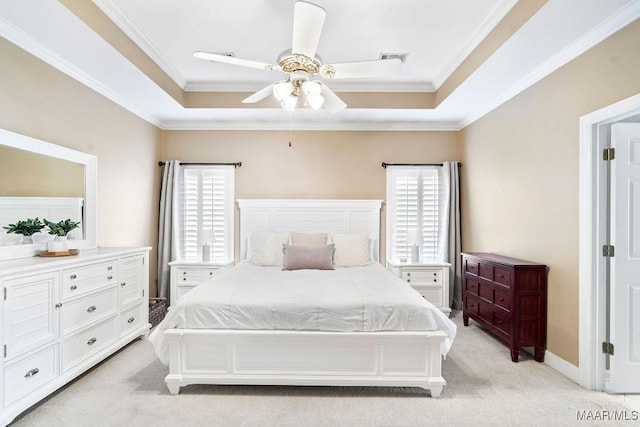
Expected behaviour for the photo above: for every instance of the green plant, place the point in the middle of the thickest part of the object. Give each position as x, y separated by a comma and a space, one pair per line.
28, 227
61, 228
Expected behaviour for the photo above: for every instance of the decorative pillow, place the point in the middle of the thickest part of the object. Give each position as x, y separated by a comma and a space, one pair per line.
309, 239
351, 249
266, 248
308, 257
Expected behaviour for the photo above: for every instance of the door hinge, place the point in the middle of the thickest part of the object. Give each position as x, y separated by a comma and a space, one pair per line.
607, 348
608, 154
608, 251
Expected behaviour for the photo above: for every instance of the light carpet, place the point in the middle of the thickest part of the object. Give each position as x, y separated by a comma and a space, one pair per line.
483, 388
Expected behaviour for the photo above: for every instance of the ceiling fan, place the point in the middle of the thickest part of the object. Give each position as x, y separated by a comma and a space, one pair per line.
301, 65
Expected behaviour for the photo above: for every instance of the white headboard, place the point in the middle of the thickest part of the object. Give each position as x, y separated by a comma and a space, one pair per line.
309, 216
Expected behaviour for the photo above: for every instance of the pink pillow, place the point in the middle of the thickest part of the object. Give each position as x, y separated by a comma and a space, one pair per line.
308, 257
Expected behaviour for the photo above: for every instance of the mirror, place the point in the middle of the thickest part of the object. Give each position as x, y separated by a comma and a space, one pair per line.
31, 168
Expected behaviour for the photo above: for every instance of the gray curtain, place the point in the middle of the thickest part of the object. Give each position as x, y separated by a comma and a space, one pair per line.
167, 238
454, 246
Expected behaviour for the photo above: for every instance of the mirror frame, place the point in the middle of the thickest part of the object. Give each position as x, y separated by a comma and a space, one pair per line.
90, 162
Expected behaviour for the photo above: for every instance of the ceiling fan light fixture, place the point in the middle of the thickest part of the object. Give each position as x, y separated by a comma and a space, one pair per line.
315, 101
311, 88
289, 102
282, 90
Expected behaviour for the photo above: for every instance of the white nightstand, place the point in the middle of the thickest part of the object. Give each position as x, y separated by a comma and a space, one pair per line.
187, 275
430, 279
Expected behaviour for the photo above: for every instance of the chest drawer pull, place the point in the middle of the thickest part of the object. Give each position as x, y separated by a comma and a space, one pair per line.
31, 373
110, 268
58, 305
73, 276
211, 273
184, 278
131, 320
409, 274
73, 287
92, 341
123, 284
408, 280
184, 272
109, 277
91, 309
435, 280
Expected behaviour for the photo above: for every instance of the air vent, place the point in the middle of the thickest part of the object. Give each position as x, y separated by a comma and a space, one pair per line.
401, 56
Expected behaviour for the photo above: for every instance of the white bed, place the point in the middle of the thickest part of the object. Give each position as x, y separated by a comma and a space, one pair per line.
348, 326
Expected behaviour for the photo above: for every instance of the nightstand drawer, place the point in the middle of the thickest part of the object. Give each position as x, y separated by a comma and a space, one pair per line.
422, 277
431, 294
195, 276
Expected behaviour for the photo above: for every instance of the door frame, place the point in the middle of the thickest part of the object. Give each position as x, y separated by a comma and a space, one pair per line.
592, 308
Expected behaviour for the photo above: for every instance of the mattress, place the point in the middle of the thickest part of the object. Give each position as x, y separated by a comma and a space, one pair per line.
350, 299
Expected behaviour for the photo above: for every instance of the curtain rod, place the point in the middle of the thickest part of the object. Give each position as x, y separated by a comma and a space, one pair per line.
384, 165
236, 164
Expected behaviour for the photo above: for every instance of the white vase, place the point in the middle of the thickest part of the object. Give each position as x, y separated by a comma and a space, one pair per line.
58, 245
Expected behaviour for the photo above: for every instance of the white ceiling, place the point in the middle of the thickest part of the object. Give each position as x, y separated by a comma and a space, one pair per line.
437, 34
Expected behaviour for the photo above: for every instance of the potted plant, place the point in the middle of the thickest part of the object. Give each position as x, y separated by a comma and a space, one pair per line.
27, 228
60, 230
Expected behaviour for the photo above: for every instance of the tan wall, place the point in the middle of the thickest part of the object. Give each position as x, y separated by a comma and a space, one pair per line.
338, 165
43, 103
520, 176
27, 174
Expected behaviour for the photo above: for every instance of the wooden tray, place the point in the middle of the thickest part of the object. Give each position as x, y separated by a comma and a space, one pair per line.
63, 253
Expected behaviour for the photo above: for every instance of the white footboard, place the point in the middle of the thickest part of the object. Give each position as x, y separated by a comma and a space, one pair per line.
408, 359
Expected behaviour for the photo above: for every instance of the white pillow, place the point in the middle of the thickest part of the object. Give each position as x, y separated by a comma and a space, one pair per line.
351, 249
266, 248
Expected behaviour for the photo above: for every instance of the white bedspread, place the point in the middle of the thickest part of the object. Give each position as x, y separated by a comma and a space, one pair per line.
247, 296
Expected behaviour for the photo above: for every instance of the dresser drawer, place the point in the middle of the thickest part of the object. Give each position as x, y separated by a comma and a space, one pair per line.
77, 281
502, 276
27, 375
83, 311
501, 322
472, 286
471, 305
76, 348
502, 300
471, 266
132, 318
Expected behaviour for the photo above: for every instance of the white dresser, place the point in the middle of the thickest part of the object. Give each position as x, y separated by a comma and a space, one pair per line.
430, 279
61, 316
187, 275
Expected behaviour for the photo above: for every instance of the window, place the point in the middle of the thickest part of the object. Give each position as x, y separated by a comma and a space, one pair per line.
414, 207
206, 195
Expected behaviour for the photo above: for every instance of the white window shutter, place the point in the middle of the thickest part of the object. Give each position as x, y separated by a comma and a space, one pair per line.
413, 203
207, 211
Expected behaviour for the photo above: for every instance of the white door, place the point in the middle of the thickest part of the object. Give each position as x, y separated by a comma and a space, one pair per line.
625, 265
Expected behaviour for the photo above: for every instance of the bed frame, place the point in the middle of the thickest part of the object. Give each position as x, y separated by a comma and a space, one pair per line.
209, 356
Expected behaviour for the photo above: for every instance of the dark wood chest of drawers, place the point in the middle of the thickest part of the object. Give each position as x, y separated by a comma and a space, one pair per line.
508, 297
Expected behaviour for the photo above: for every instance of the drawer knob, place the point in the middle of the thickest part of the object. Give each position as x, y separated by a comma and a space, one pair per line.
91, 309
92, 341
211, 273
110, 268
73, 287
408, 280
73, 276
184, 272
123, 284
435, 280
58, 305
501, 299
502, 276
31, 373
109, 277
131, 320
184, 278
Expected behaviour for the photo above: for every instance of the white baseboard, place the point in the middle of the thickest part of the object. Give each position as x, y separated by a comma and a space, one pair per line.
567, 369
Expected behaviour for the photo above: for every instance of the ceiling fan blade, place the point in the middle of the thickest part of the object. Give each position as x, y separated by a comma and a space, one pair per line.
361, 69
308, 20
259, 95
332, 102
235, 61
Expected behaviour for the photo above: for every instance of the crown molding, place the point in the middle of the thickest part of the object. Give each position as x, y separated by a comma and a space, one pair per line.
121, 21
40, 51
409, 126
616, 22
474, 41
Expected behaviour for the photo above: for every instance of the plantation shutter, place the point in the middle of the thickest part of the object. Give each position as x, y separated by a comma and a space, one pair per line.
207, 212
413, 201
